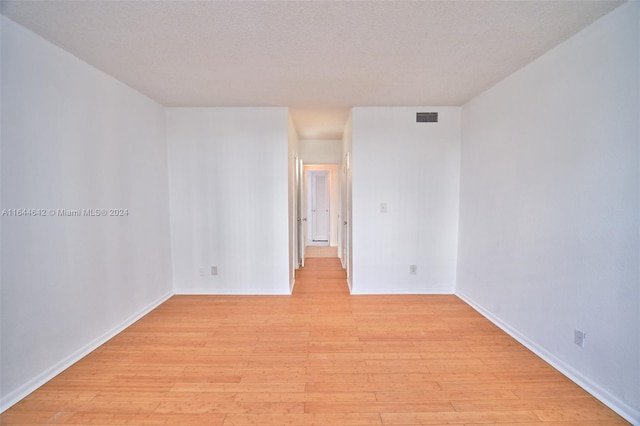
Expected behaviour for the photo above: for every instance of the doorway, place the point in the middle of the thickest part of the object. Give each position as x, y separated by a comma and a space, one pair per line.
322, 204
322, 149
318, 207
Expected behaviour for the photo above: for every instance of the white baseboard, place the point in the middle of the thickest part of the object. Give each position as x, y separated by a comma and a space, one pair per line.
209, 292
425, 291
17, 395
629, 413
403, 293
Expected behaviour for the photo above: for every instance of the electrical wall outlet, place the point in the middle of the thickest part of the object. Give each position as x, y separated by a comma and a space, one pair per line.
413, 269
383, 207
214, 270
579, 337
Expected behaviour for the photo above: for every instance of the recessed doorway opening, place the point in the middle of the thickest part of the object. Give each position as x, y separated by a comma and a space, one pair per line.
322, 205
318, 203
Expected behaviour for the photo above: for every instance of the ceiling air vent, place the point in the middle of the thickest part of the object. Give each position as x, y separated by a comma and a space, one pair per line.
426, 117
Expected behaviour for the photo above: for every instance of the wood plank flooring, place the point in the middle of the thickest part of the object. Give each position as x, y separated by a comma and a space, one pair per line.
320, 251
318, 357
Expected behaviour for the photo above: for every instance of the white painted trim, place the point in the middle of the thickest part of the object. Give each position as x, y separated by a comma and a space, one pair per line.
623, 409
33, 384
425, 292
208, 292
292, 284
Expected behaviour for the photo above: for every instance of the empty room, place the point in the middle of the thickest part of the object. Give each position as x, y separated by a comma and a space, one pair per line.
320, 212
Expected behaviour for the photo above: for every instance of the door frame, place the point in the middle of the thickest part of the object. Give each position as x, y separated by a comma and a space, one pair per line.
311, 222
345, 218
301, 219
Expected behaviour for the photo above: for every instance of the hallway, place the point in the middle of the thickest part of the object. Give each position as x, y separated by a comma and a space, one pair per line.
321, 276
320, 251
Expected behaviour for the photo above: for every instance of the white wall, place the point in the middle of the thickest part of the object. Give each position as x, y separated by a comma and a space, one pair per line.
74, 138
314, 151
549, 208
414, 169
228, 173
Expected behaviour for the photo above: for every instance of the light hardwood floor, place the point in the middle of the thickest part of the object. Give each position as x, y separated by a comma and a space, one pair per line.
319, 357
320, 251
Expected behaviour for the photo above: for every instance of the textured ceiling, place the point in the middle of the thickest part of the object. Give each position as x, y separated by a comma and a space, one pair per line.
308, 55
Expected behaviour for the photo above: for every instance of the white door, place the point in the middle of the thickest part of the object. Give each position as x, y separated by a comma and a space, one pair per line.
343, 215
347, 251
319, 207
302, 220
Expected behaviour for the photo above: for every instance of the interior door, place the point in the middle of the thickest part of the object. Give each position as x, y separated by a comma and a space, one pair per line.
320, 207
343, 214
347, 221
300, 212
